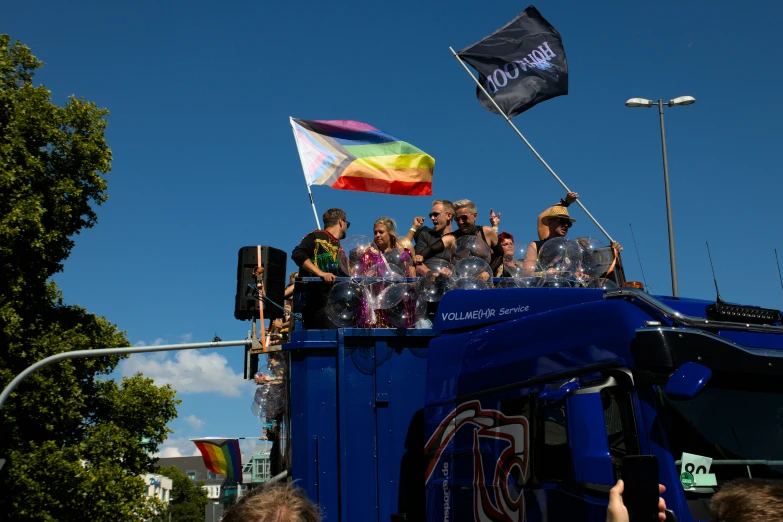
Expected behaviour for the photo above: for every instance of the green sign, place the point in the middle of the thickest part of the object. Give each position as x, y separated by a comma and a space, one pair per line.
686, 479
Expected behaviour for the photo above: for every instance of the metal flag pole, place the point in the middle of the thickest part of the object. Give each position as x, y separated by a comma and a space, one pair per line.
307, 183
312, 203
534, 151
778, 262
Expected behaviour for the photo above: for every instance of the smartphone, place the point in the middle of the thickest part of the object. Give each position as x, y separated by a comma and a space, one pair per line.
640, 475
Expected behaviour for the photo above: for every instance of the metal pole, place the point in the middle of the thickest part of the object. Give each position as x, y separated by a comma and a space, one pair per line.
672, 260
534, 151
101, 352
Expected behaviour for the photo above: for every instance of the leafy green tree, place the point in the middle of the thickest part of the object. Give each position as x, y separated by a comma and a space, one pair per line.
69, 433
188, 498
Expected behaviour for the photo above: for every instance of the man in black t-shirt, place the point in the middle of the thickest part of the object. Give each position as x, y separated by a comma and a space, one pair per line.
316, 256
441, 215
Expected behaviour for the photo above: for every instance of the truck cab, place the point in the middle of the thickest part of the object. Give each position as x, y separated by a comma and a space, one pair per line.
520, 404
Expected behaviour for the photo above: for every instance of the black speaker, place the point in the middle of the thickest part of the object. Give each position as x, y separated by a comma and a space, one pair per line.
273, 262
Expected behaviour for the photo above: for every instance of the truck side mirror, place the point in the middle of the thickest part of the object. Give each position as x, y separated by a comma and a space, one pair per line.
558, 394
688, 381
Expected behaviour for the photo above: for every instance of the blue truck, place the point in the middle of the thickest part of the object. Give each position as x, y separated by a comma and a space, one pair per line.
520, 404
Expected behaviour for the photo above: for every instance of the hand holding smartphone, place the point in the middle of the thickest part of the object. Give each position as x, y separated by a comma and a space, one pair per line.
640, 476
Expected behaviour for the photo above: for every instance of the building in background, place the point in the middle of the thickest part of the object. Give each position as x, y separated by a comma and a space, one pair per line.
259, 464
158, 486
196, 471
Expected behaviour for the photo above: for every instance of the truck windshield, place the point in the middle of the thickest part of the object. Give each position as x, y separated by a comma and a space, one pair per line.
740, 429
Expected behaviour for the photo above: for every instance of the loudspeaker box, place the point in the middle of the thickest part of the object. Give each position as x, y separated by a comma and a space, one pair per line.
273, 261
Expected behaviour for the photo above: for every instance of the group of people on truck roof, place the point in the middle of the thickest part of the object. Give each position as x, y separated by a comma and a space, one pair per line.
317, 253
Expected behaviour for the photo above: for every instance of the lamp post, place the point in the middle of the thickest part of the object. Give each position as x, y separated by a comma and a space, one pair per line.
681, 100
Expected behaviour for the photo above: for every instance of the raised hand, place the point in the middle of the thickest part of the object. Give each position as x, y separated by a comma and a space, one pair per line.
494, 219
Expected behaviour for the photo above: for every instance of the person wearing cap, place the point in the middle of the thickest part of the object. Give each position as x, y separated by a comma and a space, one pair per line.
557, 220
543, 229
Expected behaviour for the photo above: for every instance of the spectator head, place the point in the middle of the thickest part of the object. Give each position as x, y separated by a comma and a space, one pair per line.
748, 500
334, 217
274, 503
465, 215
292, 277
385, 233
441, 214
506, 242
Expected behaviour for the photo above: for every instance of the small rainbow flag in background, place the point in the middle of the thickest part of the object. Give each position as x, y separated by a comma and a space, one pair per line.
222, 456
351, 155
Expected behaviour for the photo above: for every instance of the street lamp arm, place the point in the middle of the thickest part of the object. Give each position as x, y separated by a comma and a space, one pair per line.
101, 352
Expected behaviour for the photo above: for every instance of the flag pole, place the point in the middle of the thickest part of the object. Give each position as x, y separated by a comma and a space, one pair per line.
534, 151
312, 203
307, 182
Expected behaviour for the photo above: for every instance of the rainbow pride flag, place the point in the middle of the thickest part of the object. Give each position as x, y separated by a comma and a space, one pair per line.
222, 456
351, 155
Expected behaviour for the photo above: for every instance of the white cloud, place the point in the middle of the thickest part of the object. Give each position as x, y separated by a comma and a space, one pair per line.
188, 372
186, 337
194, 422
177, 447
156, 342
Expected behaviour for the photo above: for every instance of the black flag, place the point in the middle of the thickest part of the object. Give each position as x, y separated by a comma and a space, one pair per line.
520, 65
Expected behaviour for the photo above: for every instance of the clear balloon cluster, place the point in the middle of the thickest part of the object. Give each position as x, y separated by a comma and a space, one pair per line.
270, 397
269, 401
583, 262
378, 294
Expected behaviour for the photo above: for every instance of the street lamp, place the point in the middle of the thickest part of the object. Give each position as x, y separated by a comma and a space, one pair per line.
674, 102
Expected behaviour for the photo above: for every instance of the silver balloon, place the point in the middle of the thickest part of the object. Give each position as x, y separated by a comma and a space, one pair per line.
410, 308
390, 296
472, 246
553, 281
399, 258
520, 261
392, 273
602, 283
468, 283
349, 257
561, 256
433, 284
472, 267
344, 305
597, 258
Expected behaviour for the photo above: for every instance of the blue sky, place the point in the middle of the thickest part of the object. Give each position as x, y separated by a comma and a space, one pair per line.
205, 162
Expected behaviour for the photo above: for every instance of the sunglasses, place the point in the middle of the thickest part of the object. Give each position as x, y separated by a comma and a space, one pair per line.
434, 215
461, 219
347, 223
566, 223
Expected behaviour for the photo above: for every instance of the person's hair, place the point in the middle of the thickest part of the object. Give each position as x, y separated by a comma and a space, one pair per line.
503, 236
274, 503
448, 206
333, 216
391, 228
748, 500
292, 276
465, 203
404, 242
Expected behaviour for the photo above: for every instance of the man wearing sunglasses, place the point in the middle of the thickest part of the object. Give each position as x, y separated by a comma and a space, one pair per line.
465, 215
557, 220
441, 215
